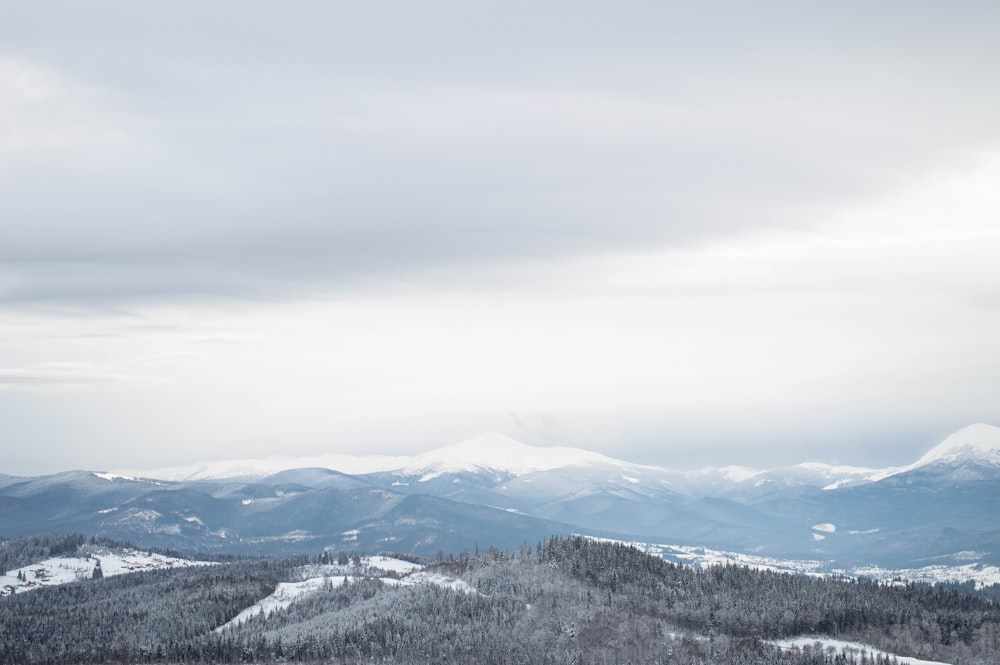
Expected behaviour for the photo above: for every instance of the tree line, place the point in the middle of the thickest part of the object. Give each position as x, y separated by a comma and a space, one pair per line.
564, 600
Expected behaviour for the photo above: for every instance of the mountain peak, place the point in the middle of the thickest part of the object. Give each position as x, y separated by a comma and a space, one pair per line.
496, 452
978, 443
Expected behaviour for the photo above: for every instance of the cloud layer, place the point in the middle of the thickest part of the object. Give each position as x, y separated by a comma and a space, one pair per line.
653, 227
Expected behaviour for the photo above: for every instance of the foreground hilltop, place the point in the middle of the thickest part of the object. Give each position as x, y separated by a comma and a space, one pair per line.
569, 600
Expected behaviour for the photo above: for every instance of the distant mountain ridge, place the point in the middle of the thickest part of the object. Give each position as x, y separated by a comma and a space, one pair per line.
487, 452
494, 452
493, 490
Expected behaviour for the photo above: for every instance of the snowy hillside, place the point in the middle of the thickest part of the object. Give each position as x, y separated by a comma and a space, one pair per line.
320, 578
982, 575
977, 445
854, 653
62, 570
812, 474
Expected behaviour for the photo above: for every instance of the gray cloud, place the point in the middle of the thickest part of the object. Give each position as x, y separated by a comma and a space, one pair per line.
737, 230
57, 376
234, 150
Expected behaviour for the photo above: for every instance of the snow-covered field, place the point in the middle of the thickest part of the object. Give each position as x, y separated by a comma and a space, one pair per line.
704, 557
852, 650
436, 579
321, 577
61, 570
284, 595
371, 566
981, 574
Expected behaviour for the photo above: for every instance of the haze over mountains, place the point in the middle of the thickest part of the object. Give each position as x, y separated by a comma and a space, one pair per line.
974, 446
493, 490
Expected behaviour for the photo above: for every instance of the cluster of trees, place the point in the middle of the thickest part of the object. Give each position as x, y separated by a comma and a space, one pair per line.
563, 601
21, 552
150, 616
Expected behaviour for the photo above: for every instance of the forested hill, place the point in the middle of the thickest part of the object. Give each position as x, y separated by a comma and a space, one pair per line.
562, 601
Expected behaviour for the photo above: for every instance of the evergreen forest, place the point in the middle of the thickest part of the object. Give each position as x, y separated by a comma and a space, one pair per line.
565, 600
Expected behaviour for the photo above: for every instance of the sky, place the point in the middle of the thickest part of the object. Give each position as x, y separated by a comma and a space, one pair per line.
676, 233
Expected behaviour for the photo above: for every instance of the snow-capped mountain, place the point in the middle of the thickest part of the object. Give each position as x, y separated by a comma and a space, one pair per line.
808, 474
494, 490
488, 453
971, 453
979, 444
496, 453
266, 466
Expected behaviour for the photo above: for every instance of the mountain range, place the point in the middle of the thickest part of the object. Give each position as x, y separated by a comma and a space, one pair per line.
495, 491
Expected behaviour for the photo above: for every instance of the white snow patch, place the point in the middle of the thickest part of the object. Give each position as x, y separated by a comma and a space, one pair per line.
634, 481
495, 452
261, 467
61, 570
437, 579
704, 557
369, 566
982, 575
854, 651
284, 595
825, 527
330, 576
391, 565
818, 537
968, 555
112, 476
738, 473
731, 473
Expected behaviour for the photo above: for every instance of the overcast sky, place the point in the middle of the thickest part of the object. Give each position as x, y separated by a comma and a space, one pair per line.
676, 233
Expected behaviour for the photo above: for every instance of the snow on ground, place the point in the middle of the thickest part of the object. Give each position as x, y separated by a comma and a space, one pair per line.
982, 574
436, 579
702, 557
61, 570
705, 557
390, 565
370, 566
284, 595
322, 577
853, 650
